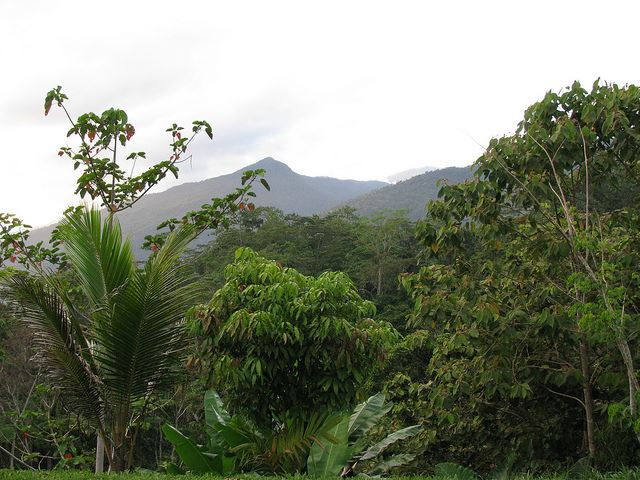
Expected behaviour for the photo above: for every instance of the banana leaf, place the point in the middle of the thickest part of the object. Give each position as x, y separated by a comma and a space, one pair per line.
386, 465
366, 415
191, 454
389, 440
326, 459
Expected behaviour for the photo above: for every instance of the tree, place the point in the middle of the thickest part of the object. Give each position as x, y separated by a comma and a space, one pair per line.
280, 344
500, 346
100, 139
548, 188
111, 360
386, 241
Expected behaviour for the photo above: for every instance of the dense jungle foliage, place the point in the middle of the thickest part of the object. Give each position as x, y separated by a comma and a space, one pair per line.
499, 333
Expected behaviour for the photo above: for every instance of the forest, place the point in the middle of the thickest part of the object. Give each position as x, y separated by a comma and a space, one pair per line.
496, 337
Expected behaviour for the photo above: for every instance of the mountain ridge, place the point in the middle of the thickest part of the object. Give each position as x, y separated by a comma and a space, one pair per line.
290, 192
411, 195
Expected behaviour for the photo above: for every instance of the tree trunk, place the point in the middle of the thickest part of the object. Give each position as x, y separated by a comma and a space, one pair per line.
13, 453
99, 454
587, 395
632, 378
379, 290
119, 442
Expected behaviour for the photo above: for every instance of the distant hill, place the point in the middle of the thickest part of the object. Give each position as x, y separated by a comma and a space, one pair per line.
411, 195
407, 174
290, 192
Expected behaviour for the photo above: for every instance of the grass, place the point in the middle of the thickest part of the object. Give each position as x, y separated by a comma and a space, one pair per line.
148, 475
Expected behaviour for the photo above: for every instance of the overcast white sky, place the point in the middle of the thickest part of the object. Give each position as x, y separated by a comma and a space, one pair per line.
349, 89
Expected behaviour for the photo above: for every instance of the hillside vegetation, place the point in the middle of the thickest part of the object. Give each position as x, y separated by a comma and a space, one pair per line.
496, 337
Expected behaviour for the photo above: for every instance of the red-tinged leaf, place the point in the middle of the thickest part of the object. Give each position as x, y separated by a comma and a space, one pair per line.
178, 135
241, 205
130, 131
60, 153
92, 135
251, 207
154, 247
13, 259
47, 106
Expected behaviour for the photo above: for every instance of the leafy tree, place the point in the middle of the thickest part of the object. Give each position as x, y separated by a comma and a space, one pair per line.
112, 360
108, 274
100, 140
551, 246
386, 243
497, 345
280, 344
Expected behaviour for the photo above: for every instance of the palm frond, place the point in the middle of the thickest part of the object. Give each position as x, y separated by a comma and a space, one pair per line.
142, 343
95, 249
61, 344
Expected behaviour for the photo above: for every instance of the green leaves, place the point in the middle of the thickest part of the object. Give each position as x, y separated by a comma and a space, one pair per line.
326, 459
100, 139
195, 458
282, 344
215, 214
343, 453
389, 440
62, 344
367, 414
17, 250
54, 95
214, 411
128, 343
97, 253
237, 443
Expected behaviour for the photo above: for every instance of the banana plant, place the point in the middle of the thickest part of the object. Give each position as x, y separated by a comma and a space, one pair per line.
340, 458
236, 444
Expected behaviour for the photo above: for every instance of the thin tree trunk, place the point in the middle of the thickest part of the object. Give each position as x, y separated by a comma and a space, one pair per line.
13, 453
632, 378
587, 395
379, 280
99, 454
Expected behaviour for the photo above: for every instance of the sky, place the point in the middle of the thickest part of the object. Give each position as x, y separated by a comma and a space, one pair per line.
348, 89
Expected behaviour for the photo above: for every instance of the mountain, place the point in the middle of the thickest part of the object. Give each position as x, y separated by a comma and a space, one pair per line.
411, 195
407, 174
290, 192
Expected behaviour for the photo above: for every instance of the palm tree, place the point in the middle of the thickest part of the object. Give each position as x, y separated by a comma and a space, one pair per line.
111, 357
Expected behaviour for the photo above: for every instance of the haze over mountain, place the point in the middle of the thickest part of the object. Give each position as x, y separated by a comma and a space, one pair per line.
290, 192
411, 195
407, 174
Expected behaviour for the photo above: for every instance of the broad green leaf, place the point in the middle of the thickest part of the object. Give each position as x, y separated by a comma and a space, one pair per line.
233, 435
326, 459
386, 465
366, 415
389, 440
214, 411
196, 460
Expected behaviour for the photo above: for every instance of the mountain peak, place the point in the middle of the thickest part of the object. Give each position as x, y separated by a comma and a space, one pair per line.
270, 164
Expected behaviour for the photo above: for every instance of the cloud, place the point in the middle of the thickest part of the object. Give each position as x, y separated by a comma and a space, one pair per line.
357, 89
